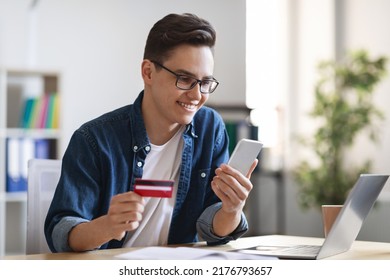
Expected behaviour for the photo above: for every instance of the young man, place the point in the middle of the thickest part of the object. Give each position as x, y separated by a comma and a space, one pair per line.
166, 134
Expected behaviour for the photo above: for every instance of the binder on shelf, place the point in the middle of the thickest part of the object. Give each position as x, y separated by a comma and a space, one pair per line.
18, 152
231, 131
238, 130
14, 176
27, 153
42, 148
237, 123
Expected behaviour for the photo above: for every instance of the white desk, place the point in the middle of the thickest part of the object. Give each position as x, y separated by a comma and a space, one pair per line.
361, 250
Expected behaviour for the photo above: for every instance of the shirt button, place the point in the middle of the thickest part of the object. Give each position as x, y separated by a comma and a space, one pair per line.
139, 164
203, 175
135, 148
147, 148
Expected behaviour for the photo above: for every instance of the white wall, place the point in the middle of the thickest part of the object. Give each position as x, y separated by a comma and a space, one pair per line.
97, 45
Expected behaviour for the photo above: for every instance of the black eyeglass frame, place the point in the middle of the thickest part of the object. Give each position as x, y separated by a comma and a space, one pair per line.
196, 81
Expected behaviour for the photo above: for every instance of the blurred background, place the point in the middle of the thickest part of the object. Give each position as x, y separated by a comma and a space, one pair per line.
89, 52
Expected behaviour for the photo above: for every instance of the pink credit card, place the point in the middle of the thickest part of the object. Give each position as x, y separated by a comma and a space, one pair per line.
153, 188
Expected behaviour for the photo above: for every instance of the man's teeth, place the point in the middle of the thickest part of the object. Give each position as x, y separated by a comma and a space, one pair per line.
187, 106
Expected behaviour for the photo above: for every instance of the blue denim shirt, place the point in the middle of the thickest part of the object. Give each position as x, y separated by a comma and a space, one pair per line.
107, 154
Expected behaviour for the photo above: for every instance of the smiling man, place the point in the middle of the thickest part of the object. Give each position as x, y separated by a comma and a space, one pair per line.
166, 134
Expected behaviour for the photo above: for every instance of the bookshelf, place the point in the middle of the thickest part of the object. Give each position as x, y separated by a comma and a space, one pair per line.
29, 128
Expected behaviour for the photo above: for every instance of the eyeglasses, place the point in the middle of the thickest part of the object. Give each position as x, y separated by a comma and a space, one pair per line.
186, 82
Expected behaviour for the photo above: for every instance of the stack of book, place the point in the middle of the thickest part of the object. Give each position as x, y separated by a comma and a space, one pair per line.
40, 112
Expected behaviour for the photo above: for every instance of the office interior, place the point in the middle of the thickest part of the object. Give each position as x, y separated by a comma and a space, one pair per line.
265, 59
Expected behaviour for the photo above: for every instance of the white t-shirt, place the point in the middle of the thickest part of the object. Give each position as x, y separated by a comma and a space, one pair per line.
162, 163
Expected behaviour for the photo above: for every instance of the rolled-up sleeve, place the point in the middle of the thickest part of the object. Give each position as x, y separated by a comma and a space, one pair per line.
61, 232
205, 230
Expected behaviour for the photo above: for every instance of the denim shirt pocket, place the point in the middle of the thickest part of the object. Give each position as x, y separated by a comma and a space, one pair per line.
197, 193
202, 178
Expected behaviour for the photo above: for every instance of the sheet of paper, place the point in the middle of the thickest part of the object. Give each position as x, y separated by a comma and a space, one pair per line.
185, 253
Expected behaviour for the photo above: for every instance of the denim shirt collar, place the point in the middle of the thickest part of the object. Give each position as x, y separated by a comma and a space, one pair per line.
139, 136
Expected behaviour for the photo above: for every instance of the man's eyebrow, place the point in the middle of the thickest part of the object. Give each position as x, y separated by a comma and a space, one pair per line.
188, 73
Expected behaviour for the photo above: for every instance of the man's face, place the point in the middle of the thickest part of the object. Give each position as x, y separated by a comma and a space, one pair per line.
169, 103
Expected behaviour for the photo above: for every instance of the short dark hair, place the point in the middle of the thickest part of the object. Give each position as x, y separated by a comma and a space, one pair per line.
174, 30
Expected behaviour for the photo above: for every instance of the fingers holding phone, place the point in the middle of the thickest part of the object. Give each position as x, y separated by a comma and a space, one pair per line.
232, 187
232, 181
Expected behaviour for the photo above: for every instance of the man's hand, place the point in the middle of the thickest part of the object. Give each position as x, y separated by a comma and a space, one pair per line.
124, 214
233, 189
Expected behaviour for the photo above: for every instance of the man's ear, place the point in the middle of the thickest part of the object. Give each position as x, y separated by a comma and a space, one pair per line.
146, 71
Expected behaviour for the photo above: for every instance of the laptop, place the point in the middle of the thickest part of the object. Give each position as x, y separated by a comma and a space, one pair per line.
344, 230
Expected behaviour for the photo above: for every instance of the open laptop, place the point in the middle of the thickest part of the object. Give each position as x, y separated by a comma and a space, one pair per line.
345, 229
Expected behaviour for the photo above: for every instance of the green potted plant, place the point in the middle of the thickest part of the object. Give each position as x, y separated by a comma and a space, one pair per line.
344, 107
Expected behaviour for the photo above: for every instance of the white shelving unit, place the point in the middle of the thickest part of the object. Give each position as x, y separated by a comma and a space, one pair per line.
16, 85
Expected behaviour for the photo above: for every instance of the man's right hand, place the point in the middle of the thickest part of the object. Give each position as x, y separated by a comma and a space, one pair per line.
124, 214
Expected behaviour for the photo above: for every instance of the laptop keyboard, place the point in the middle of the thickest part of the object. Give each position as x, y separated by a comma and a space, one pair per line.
301, 250
289, 252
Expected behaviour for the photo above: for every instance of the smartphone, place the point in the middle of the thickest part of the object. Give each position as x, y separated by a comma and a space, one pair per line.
245, 152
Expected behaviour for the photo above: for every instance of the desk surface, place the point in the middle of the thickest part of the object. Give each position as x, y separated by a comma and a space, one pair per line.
361, 250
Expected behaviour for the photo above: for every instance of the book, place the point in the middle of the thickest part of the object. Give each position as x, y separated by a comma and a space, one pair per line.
52, 114
26, 114
55, 111
43, 111
34, 113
